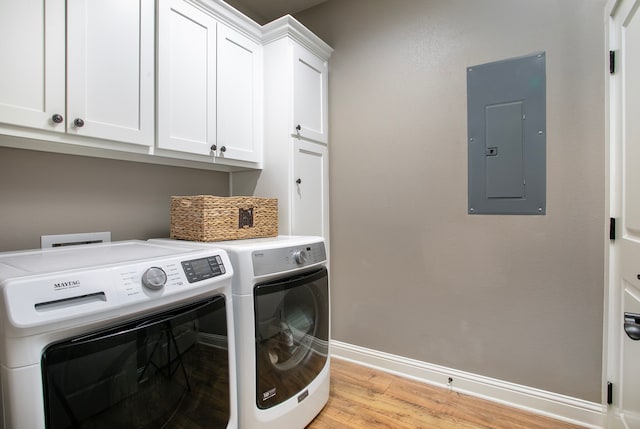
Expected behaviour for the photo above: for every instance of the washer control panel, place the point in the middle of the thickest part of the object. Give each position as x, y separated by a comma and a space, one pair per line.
271, 261
88, 294
204, 268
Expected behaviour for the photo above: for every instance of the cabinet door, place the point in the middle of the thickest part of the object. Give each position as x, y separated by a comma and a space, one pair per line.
310, 209
186, 78
110, 80
33, 63
239, 99
310, 94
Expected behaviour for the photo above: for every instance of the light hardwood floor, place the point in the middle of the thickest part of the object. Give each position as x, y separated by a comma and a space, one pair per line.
364, 398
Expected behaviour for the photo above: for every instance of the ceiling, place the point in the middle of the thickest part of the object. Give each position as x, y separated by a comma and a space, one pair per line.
263, 11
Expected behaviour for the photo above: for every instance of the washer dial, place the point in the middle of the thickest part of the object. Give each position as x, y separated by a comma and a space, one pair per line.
154, 278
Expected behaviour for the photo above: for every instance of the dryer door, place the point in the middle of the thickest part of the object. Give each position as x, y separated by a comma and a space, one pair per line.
292, 335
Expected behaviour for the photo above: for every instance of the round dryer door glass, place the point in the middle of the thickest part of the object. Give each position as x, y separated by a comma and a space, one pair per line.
291, 330
292, 335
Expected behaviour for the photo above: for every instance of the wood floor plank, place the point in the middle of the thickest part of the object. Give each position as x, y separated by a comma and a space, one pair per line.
362, 397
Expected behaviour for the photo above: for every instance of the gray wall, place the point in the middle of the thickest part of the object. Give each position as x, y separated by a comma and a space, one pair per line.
46, 193
517, 298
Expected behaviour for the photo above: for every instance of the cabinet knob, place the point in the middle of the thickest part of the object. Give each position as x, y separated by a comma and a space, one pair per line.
223, 149
57, 118
78, 123
214, 147
299, 181
298, 128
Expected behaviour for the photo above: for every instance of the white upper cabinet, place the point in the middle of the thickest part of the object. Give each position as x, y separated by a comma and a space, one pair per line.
32, 46
108, 51
239, 96
209, 86
186, 78
178, 82
310, 88
110, 69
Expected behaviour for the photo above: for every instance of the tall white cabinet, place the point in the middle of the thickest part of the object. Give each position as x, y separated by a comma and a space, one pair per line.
296, 156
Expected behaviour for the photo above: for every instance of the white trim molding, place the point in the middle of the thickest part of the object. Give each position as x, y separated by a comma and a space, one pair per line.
288, 26
554, 405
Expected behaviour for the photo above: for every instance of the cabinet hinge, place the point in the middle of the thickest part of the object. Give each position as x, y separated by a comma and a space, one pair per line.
612, 62
609, 392
612, 228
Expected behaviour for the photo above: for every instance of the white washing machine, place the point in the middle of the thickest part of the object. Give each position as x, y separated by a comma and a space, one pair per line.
281, 309
122, 334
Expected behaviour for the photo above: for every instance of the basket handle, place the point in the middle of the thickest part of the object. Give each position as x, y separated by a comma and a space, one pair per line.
245, 218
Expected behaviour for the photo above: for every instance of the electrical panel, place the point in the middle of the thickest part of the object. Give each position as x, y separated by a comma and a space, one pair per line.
506, 114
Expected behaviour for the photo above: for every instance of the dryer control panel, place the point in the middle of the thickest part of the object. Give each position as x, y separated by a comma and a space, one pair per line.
278, 260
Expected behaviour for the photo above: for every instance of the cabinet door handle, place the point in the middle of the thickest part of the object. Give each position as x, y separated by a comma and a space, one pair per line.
298, 128
214, 147
299, 181
223, 149
57, 118
632, 325
78, 123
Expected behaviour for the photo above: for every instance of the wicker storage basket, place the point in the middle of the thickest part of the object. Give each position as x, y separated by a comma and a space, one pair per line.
211, 218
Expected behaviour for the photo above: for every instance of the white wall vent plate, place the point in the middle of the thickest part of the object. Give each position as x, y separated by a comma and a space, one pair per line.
74, 239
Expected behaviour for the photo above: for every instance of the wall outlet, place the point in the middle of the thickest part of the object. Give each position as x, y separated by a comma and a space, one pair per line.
74, 239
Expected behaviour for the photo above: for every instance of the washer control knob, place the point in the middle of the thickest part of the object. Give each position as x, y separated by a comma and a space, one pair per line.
300, 256
154, 278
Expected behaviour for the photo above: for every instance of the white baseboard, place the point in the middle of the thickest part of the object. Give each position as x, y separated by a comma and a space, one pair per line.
560, 407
